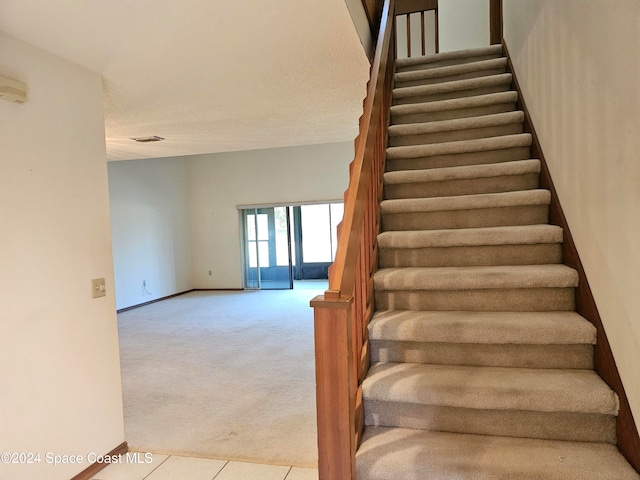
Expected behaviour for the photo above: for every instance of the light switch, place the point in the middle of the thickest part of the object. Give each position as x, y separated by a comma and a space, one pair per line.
98, 288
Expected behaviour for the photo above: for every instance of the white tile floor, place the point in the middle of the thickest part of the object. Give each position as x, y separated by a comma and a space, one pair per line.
165, 467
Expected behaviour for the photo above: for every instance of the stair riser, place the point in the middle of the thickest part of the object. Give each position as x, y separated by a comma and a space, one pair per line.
483, 217
488, 355
446, 63
459, 159
449, 78
483, 255
508, 423
452, 114
510, 183
500, 300
402, 454
455, 135
450, 95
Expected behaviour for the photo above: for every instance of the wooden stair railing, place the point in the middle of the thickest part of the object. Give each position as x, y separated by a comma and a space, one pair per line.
405, 8
342, 314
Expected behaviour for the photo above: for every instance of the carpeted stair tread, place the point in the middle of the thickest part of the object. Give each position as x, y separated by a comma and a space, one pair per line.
451, 70
492, 388
510, 235
564, 426
466, 202
407, 454
440, 57
503, 79
455, 104
475, 278
483, 121
539, 328
475, 331
463, 146
465, 172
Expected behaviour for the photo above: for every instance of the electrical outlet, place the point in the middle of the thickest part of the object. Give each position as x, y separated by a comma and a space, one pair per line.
98, 288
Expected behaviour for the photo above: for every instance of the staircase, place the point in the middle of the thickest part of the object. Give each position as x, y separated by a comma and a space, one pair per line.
480, 367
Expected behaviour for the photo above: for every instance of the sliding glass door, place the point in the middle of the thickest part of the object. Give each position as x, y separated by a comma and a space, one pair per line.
287, 243
267, 242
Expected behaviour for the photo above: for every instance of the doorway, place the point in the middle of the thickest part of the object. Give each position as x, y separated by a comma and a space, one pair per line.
286, 243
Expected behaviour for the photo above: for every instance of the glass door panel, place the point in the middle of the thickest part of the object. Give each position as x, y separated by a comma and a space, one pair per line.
286, 243
267, 248
316, 233
336, 212
318, 236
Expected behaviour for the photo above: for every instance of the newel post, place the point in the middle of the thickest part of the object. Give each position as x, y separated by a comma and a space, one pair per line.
335, 388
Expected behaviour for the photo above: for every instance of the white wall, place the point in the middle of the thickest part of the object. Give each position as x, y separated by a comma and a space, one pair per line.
220, 182
59, 363
463, 24
149, 225
577, 63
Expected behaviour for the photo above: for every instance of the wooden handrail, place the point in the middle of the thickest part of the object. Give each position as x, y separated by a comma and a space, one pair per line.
414, 6
342, 314
342, 276
407, 8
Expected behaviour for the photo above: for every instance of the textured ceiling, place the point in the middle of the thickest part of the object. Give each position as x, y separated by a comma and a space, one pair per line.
209, 76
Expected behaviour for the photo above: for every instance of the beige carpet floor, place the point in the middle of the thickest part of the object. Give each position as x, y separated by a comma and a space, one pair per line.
225, 375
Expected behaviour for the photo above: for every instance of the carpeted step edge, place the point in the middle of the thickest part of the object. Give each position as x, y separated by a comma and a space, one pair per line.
438, 57
533, 328
462, 146
471, 237
491, 388
465, 172
565, 426
452, 86
475, 278
455, 104
399, 454
484, 121
451, 70
466, 202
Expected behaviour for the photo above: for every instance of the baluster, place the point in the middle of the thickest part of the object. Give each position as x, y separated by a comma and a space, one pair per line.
435, 12
424, 41
408, 35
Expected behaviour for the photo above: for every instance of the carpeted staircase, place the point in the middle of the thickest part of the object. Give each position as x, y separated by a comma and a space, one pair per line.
481, 369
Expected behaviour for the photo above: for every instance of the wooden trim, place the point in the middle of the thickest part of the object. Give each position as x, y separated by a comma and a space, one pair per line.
412, 6
126, 309
408, 16
335, 392
370, 10
218, 290
407, 7
628, 440
437, 27
94, 468
132, 307
422, 35
495, 22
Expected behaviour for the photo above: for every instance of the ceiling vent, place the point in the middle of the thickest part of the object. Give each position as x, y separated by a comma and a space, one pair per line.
153, 138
